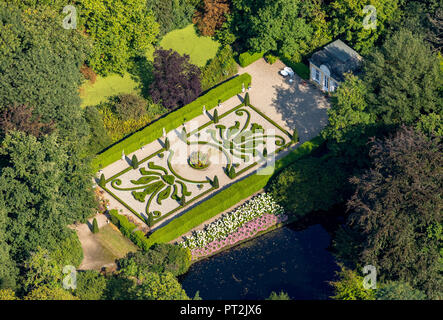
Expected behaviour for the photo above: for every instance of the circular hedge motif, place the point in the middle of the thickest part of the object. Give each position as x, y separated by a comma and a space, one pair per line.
199, 160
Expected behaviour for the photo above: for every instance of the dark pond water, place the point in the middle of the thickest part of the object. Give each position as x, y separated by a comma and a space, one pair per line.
295, 261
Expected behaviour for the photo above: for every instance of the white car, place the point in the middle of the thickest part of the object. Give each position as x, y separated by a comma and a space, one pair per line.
287, 72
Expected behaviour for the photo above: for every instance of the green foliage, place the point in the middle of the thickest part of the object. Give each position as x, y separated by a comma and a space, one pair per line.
227, 197
69, 251
403, 77
216, 119
271, 59
91, 285
102, 181
41, 270
98, 137
34, 64
278, 26
231, 172
350, 121
431, 124
295, 137
150, 221
247, 58
158, 287
247, 100
218, 69
127, 229
42, 192
119, 31
46, 293
216, 183
7, 294
280, 296
171, 121
171, 14
167, 144
395, 290
309, 184
159, 258
347, 21
134, 162
95, 228
350, 286
129, 106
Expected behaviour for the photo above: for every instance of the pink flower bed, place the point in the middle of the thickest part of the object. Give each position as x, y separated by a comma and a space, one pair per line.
248, 230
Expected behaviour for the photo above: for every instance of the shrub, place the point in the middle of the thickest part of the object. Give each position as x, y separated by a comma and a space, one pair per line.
246, 58
90, 285
69, 251
295, 137
219, 69
129, 106
215, 183
271, 59
216, 119
150, 221
98, 136
265, 152
247, 101
102, 181
231, 172
127, 229
134, 162
160, 258
95, 226
167, 144
171, 121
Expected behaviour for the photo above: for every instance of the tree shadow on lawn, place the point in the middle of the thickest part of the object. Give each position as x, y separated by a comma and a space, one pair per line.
302, 107
142, 72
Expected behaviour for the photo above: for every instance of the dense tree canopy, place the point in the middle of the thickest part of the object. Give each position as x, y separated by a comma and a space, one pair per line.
348, 16
309, 184
40, 192
160, 258
41, 70
403, 77
120, 30
156, 286
397, 209
172, 14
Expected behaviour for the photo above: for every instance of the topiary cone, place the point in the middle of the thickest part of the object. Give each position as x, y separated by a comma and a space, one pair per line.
95, 226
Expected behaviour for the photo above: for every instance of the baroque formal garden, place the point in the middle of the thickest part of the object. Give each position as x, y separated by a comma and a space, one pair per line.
195, 160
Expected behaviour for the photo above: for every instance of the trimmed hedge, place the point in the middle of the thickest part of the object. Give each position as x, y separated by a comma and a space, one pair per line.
246, 58
171, 121
127, 229
227, 198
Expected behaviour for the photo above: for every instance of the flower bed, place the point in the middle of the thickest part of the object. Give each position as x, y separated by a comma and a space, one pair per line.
249, 215
248, 230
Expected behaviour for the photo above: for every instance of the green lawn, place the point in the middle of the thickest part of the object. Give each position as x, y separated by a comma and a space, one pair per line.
186, 40
105, 87
114, 242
